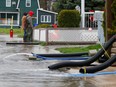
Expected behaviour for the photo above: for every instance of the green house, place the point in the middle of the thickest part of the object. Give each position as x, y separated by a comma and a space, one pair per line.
14, 9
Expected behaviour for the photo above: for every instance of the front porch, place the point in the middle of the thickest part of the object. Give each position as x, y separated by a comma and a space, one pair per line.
8, 18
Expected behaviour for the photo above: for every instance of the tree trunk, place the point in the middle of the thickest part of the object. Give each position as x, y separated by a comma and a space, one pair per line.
109, 16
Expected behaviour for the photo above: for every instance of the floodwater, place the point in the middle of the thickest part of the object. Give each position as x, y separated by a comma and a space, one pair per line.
16, 70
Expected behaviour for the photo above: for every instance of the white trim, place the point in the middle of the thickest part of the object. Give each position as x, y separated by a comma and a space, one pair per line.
27, 2
7, 25
44, 19
48, 11
38, 4
8, 4
37, 17
8, 12
18, 4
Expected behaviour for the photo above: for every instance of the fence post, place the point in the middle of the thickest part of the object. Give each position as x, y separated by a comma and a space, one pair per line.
47, 38
83, 13
39, 35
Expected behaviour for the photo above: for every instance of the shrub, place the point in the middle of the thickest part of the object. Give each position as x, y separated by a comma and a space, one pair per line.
69, 18
114, 7
43, 26
111, 31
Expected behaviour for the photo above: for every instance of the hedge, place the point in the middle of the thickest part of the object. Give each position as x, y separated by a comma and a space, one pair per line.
69, 18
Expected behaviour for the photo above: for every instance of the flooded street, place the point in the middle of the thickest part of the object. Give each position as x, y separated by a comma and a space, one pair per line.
16, 70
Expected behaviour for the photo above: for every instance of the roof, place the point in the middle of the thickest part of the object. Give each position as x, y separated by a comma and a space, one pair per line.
8, 11
20, 0
48, 11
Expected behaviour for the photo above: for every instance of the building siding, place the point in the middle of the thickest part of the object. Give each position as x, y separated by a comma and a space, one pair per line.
3, 7
45, 13
23, 8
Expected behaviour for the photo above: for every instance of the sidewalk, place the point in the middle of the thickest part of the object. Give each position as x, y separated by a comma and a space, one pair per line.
33, 48
6, 38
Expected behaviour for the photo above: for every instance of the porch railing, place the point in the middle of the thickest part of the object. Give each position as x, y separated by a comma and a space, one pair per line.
8, 22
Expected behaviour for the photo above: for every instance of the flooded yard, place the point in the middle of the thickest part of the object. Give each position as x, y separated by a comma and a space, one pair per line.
16, 70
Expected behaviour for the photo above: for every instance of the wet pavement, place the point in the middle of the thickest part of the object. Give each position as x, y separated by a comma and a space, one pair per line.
16, 70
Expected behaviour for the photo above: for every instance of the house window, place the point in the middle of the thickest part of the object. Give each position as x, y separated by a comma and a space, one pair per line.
14, 3
46, 18
28, 3
8, 3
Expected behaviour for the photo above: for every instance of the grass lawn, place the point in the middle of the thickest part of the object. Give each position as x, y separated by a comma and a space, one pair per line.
78, 49
16, 31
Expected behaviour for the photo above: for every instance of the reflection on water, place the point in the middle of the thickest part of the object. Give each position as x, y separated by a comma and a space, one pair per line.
17, 71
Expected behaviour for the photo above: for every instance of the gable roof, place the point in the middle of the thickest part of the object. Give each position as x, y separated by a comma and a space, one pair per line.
19, 3
48, 11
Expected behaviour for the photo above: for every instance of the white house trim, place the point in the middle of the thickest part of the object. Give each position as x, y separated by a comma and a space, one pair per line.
47, 11
37, 17
18, 4
48, 20
38, 4
8, 12
8, 4
27, 5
